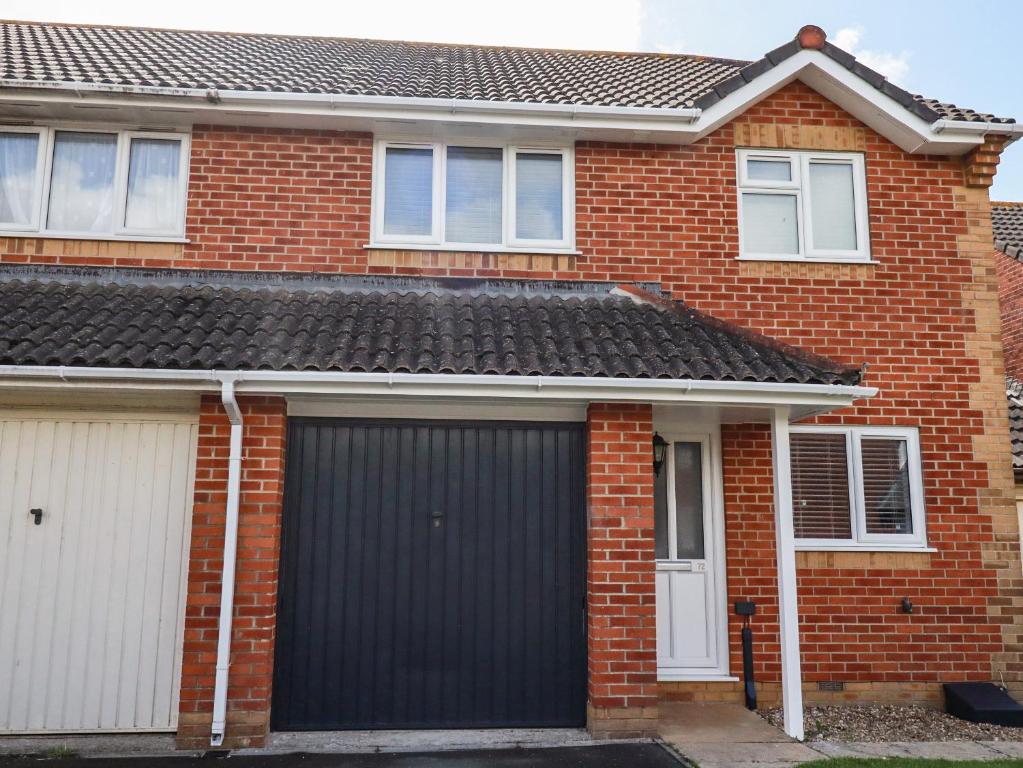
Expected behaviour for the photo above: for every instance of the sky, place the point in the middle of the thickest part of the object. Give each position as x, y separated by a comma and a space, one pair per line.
965, 53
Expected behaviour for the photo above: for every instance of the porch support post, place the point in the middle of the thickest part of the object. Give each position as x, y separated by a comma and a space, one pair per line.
788, 612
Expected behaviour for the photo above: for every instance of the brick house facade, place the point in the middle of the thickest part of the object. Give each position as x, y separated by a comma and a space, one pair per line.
920, 317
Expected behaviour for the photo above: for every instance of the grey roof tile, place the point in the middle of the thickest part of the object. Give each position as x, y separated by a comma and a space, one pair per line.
163, 319
1007, 225
127, 56
1014, 393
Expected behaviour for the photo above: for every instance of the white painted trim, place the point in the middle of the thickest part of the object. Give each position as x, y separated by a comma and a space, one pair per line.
437, 238
44, 170
535, 388
472, 248
42, 139
788, 609
714, 542
681, 125
854, 433
853, 94
1015, 130
667, 676
799, 187
809, 546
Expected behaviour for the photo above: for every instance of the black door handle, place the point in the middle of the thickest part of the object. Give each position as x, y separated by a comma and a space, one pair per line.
37, 514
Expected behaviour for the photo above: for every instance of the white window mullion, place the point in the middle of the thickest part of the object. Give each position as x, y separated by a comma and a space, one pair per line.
121, 182
669, 463
856, 487
440, 188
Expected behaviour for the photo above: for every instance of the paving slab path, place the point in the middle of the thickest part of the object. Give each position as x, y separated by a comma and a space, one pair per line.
730, 736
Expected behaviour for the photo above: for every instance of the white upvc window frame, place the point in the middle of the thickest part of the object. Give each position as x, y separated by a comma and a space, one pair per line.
44, 173
799, 164
861, 539
437, 237
41, 162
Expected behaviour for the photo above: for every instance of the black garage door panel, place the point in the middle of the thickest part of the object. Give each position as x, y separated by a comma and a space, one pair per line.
432, 575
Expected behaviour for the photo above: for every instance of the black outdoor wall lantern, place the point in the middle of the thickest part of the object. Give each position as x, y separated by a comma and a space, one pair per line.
660, 451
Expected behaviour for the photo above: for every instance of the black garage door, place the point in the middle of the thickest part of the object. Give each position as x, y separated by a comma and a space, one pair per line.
432, 576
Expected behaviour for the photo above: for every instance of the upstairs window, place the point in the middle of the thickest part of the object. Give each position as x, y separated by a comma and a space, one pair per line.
92, 183
856, 486
802, 205
473, 197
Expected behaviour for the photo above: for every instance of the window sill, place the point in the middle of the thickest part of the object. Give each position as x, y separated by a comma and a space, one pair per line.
861, 548
802, 260
665, 675
465, 249
94, 236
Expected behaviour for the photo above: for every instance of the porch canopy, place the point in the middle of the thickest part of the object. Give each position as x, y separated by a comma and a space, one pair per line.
388, 339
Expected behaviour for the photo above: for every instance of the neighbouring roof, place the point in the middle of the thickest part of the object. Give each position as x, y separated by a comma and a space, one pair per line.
1014, 392
1007, 224
139, 57
214, 320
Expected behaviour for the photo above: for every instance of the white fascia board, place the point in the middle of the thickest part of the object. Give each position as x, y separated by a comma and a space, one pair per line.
850, 92
342, 107
678, 125
507, 388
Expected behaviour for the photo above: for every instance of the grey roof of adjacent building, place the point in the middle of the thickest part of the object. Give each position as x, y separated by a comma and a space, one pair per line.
101, 317
1014, 392
140, 57
1007, 227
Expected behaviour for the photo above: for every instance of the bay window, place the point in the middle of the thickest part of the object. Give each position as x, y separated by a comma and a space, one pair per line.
856, 487
473, 196
92, 183
802, 205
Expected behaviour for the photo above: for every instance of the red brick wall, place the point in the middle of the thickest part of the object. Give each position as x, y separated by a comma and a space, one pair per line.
1010, 296
621, 608
255, 604
300, 200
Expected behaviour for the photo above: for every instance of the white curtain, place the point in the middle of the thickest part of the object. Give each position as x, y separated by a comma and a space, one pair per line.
832, 206
82, 182
408, 191
153, 185
473, 204
18, 154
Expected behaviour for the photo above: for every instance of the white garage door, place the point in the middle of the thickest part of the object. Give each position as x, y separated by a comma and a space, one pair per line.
92, 596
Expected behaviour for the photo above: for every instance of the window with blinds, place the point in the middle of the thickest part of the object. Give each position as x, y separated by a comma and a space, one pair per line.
802, 205
857, 486
820, 486
470, 196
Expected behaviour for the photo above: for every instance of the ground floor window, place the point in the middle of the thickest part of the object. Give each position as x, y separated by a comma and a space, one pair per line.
858, 486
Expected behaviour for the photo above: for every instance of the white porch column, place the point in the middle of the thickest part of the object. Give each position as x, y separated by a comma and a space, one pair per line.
788, 613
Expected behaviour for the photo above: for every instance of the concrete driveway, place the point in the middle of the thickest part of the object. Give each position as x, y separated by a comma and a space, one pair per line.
644, 755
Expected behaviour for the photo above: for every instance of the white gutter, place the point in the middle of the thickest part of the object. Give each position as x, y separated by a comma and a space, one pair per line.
340, 101
234, 476
963, 126
454, 385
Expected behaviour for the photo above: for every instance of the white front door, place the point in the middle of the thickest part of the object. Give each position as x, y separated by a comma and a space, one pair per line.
691, 627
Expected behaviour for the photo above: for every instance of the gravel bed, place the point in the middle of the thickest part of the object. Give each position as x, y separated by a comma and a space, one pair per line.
891, 722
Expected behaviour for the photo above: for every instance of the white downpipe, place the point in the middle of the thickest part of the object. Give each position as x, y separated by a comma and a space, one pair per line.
234, 476
788, 610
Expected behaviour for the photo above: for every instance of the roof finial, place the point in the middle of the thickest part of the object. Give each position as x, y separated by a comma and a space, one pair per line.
811, 36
